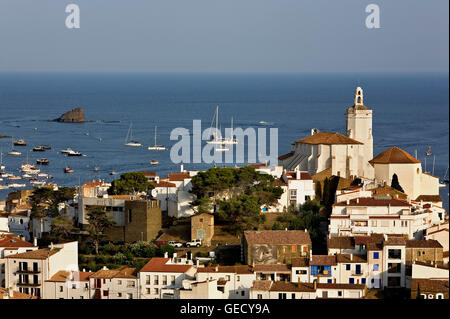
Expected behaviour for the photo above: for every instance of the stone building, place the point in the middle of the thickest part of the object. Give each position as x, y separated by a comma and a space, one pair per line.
140, 220
202, 227
274, 246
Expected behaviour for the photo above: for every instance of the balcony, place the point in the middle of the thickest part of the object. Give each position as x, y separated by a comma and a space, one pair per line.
28, 271
28, 284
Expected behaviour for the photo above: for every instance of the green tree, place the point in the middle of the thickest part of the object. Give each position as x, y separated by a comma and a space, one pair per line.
99, 222
395, 183
130, 184
318, 191
62, 226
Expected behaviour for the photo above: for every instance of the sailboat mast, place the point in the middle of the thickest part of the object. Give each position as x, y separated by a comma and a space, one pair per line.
217, 119
155, 135
434, 160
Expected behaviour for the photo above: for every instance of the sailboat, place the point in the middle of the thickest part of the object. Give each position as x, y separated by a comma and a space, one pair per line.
156, 147
13, 151
2, 167
444, 179
220, 140
129, 138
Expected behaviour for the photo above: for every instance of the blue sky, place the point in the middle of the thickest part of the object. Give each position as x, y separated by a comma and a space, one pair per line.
224, 36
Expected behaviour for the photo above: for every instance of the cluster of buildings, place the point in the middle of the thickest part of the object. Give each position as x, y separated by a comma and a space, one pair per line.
378, 236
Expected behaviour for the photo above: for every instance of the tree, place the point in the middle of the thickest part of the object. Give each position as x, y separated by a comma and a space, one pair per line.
62, 226
130, 184
99, 222
318, 191
395, 183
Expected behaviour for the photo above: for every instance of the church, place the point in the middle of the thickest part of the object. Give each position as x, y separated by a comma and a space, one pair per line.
347, 155
351, 155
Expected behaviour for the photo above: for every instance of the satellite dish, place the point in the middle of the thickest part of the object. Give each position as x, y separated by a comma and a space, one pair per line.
154, 193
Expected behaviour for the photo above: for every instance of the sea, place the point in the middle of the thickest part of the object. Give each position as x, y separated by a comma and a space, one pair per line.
410, 110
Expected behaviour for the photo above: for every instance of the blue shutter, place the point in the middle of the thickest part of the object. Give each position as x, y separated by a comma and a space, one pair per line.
314, 270
352, 280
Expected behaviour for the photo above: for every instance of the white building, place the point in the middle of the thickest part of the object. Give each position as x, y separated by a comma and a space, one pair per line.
28, 271
119, 283
68, 285
160, 277
347, 156
10, 245
364, 216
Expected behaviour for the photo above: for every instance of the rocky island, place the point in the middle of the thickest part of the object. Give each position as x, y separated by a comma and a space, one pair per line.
75, 115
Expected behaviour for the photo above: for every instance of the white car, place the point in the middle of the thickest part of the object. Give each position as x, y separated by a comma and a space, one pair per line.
175, 244
194, 243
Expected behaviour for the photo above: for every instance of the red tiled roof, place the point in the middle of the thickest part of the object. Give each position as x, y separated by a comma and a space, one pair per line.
340, 286
158, 264
163, 184
124, 272
323, 260
178, 176
429, 198
282, 237
429, 243
292, 287
13, 242
394, 155
341, 242
328, 139
62, 276
35, 254
272, 268
300, 262
148, 173
369, 201
240, 269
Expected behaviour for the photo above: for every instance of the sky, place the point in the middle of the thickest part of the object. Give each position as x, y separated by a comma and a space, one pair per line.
224, 36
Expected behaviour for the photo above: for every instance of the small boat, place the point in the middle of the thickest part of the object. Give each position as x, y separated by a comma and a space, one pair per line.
26, 176
74, 153
67, 150
221, 149
43, 175
14, 153
87, 133
39, 149
20, 143
429, 151
46, 147
14, 178
68, 170
37, 183
216, 139
42, 161
154, 162
17, 185
129, 138
96, 169
156, 147
113, 173
4, 187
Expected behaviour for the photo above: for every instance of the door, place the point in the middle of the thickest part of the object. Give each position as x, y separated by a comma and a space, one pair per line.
201, 234
358, 269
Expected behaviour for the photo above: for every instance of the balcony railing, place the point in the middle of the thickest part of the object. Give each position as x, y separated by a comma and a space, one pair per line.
32, 284
28, 271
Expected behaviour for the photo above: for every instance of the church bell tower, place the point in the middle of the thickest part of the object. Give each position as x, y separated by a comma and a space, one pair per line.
359, 127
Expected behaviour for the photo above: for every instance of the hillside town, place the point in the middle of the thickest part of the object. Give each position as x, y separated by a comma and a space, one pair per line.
332, 220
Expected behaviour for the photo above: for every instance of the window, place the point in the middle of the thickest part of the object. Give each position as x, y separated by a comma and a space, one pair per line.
347, 267
172, 280
131, 283
74, 286
227, 277
293, 248
61, 288
155, 291
301, 272
119, 294
281, 295
147, 279
293, 194
363, 281
339, 293
394, 268
129, 296
105, 293
164, 280
330, 281
156, 281
119, 282
238, 278
147, 291
376, 255
351, 280
293, 296
376, 267
395, 253
242, 293
260, 296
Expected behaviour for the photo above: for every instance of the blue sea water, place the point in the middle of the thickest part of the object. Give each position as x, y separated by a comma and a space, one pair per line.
410, 111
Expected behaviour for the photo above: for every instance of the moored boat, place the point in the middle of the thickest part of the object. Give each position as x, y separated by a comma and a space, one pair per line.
68, 170
20, 143
42, 161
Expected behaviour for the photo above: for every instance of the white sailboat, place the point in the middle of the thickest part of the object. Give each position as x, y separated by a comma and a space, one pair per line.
129, 138
13, 152
156, 147
2, 167
220, 140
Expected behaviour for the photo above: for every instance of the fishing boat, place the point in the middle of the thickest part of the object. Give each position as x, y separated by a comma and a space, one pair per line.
220, 140
112, 173
20, 143
17, 185
156, 147
26, 176
39, 149
154, 162
42, 161
68, 170
129, 138
14, 178
46, 147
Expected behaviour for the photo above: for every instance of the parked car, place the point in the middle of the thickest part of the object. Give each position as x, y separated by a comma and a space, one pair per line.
160, 243
194, 243
175, 244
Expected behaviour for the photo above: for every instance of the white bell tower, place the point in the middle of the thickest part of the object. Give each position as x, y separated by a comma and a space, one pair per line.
359, 127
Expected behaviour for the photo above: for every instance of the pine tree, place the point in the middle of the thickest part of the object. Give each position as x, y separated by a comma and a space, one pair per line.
395, 183
318, 191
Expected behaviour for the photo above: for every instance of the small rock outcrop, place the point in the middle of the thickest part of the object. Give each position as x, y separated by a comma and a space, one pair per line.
73, 116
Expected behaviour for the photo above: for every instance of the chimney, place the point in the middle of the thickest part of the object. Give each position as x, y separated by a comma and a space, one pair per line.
351, 257
306, 230
297, 176
52, 246
315, 284
285, 229
166, 255
84, 269
35, 241
357, 200
348, 201
197, 262
181, 168
385, 237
